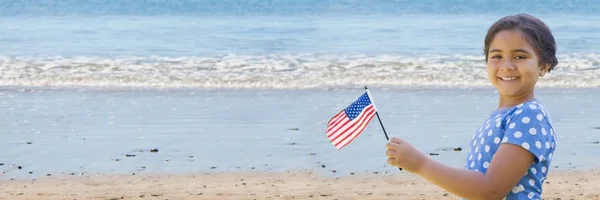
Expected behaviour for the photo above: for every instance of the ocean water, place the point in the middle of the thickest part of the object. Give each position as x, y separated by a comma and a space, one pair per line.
277, 44
249, 85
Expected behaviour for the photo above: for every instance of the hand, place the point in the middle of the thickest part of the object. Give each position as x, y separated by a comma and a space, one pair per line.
402, 154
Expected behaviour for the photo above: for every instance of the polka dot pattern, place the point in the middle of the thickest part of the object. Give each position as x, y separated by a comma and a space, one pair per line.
531, 182
527, 126
525, 145
532, 131
518, 134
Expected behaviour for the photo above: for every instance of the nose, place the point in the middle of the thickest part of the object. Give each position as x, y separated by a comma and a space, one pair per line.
507, 65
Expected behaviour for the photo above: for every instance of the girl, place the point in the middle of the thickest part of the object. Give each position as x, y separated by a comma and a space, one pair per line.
510, 153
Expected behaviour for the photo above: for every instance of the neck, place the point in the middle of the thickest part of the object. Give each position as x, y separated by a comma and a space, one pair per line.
509, 101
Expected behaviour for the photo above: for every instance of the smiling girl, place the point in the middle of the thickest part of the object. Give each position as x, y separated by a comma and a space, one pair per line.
510, 153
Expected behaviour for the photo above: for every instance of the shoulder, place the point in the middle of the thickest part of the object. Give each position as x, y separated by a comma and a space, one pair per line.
529, 126
531, 112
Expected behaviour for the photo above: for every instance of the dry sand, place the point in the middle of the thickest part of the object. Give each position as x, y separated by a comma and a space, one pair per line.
268, 185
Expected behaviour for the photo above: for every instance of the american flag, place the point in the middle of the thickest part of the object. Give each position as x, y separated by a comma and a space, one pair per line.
350, 122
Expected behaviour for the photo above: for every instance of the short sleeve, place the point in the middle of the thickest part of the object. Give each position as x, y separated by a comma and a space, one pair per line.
529, 128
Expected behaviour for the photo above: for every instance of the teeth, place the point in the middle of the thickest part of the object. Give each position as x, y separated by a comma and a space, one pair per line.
509, 78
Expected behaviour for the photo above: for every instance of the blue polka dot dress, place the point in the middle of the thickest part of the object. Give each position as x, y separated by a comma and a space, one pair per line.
527, 125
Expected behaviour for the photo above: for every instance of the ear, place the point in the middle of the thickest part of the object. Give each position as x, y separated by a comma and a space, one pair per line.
544, 69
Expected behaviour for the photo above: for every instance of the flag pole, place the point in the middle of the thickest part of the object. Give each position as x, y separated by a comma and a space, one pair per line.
377, 113
378, 118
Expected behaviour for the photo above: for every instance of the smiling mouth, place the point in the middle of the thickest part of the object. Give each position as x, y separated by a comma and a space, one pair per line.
509, 78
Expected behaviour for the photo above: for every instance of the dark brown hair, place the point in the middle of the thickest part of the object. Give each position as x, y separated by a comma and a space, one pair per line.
537, 34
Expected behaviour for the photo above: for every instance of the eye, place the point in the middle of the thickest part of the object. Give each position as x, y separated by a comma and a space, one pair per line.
520, 57
496, 57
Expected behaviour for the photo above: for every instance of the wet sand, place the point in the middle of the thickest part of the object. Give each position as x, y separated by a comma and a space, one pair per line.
171, 139
269, 185
88, 131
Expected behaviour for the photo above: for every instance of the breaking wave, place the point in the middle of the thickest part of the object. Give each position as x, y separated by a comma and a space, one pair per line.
277, 71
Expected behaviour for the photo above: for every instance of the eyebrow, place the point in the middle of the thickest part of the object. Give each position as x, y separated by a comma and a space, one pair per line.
516, 50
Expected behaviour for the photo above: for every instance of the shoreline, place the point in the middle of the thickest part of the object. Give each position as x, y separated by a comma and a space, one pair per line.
269, 185
324, 88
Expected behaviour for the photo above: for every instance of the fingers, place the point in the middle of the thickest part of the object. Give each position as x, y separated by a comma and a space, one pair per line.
391, 146
396, 140
391, 161
393, 143
393, 149
390, 153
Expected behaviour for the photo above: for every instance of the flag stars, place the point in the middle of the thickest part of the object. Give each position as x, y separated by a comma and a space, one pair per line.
356, 107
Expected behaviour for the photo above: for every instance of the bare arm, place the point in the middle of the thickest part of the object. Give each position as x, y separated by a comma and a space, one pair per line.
507, 167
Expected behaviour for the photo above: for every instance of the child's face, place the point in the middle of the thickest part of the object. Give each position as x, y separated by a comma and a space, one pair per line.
513, 66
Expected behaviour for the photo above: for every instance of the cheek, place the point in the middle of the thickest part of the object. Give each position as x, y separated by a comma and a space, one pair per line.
491, 69
529, 69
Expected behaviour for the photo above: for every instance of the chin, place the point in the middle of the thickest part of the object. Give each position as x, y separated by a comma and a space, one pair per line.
508, 93
511, 91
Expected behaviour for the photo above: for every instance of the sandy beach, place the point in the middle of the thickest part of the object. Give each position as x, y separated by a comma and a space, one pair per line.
269, 185
230, 99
